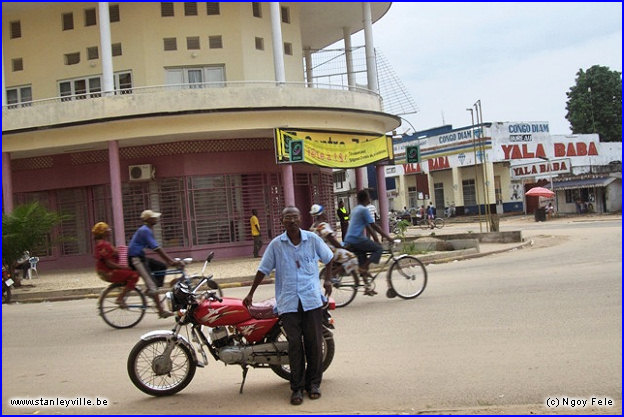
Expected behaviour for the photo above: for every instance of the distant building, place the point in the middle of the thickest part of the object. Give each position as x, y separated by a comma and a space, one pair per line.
510, 157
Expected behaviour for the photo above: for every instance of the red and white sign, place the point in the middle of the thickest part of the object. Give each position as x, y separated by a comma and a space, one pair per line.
541, 169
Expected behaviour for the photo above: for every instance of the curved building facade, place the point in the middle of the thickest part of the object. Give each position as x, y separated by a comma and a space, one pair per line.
172, 107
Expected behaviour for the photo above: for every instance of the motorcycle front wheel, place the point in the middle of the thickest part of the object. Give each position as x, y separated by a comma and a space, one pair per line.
157, 374
328, 352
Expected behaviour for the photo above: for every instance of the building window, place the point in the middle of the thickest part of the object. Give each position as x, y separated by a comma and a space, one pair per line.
72, 59
16, 29
170, 44
339, 179
190, 9
113, 13
470, 193
92, 53
19, 97
256, 8
123, 82
90, 18
195, 77
287, 48
215, 42
116, 49
166, 9
192, 42
260, 44
91, 87
285, 14
68, 21
212, 9
17, 64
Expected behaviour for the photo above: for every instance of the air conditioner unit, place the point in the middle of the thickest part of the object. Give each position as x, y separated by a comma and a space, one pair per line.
143, 172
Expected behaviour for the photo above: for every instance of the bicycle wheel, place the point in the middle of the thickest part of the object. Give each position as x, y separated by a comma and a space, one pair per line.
424, 224
344, 286
116, 316
439, 222
408, 277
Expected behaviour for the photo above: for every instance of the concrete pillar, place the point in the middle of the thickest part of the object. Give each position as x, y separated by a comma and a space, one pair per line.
371, 67
288, 183
458, 197
307, 56
360, 175
106, 54
382, 196
115, 181
346, 32
278, 46
7, 183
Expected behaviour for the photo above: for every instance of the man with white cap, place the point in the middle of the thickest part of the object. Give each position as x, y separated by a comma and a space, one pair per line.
144, 238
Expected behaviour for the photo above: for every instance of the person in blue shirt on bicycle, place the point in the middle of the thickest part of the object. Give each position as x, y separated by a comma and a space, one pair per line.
357, 242
144, 238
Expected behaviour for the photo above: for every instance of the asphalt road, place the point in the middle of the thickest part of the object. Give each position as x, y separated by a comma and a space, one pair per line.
499, 334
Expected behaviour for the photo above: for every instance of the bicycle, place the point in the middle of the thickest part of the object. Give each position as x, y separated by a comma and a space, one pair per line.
438, 223
136, 302
407, 278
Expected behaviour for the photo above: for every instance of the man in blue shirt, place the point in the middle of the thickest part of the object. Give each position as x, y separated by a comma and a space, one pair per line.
357, 242
294, 255
144, 238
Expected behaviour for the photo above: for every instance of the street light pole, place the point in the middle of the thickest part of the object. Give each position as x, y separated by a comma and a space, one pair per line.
474, 148
486, 188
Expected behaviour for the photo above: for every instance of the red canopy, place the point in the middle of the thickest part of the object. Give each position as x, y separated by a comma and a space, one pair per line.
540, 192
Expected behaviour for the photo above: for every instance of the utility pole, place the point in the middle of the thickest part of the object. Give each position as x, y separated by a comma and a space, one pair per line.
474, 149
486, 188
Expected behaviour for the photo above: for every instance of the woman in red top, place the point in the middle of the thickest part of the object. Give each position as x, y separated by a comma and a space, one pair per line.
107, 265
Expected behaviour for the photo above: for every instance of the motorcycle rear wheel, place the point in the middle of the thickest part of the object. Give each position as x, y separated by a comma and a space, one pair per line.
116, 316
344, 286
157, 375
329, 349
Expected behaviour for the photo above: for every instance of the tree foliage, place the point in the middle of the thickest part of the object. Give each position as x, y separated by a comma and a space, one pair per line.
595, 103
24, 229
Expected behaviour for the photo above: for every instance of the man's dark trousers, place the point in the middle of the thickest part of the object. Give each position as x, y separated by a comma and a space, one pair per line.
306, 324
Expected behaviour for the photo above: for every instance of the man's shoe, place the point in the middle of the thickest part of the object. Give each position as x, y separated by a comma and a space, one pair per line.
296, 398
314, 392
370, 291
165, 314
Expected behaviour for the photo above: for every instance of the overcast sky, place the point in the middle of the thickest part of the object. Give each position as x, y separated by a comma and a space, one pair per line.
519, 59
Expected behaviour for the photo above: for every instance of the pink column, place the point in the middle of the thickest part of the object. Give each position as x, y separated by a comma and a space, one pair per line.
288, 184
7, 183
115, 181
360, 173
382, 196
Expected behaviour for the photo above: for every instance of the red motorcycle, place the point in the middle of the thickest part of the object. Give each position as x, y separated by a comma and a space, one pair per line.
164, 362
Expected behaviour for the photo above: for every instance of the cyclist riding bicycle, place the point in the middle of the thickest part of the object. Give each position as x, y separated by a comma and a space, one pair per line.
144, 238
342, 257
357, 242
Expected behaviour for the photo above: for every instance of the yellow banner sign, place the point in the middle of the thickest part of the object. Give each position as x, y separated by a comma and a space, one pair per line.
333, 150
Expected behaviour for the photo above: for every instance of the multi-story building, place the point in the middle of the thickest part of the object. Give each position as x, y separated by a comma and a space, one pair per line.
113, 108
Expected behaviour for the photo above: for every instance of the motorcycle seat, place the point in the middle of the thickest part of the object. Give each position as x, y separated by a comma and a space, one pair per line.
263, 309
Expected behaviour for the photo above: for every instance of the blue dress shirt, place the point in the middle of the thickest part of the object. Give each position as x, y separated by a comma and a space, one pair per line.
296, 270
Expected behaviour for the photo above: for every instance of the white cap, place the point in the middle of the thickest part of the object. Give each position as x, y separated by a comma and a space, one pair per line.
316, 209
149, 214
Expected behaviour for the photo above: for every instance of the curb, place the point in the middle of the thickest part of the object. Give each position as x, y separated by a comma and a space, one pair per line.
247, 281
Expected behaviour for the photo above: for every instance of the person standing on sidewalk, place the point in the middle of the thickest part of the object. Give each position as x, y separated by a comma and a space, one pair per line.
255, 233
294, 256
343, 215
144, 238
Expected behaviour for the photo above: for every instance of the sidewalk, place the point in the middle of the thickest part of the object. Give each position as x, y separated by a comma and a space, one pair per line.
237, 272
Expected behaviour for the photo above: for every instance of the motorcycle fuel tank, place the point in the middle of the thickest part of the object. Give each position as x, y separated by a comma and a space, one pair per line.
230, 311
